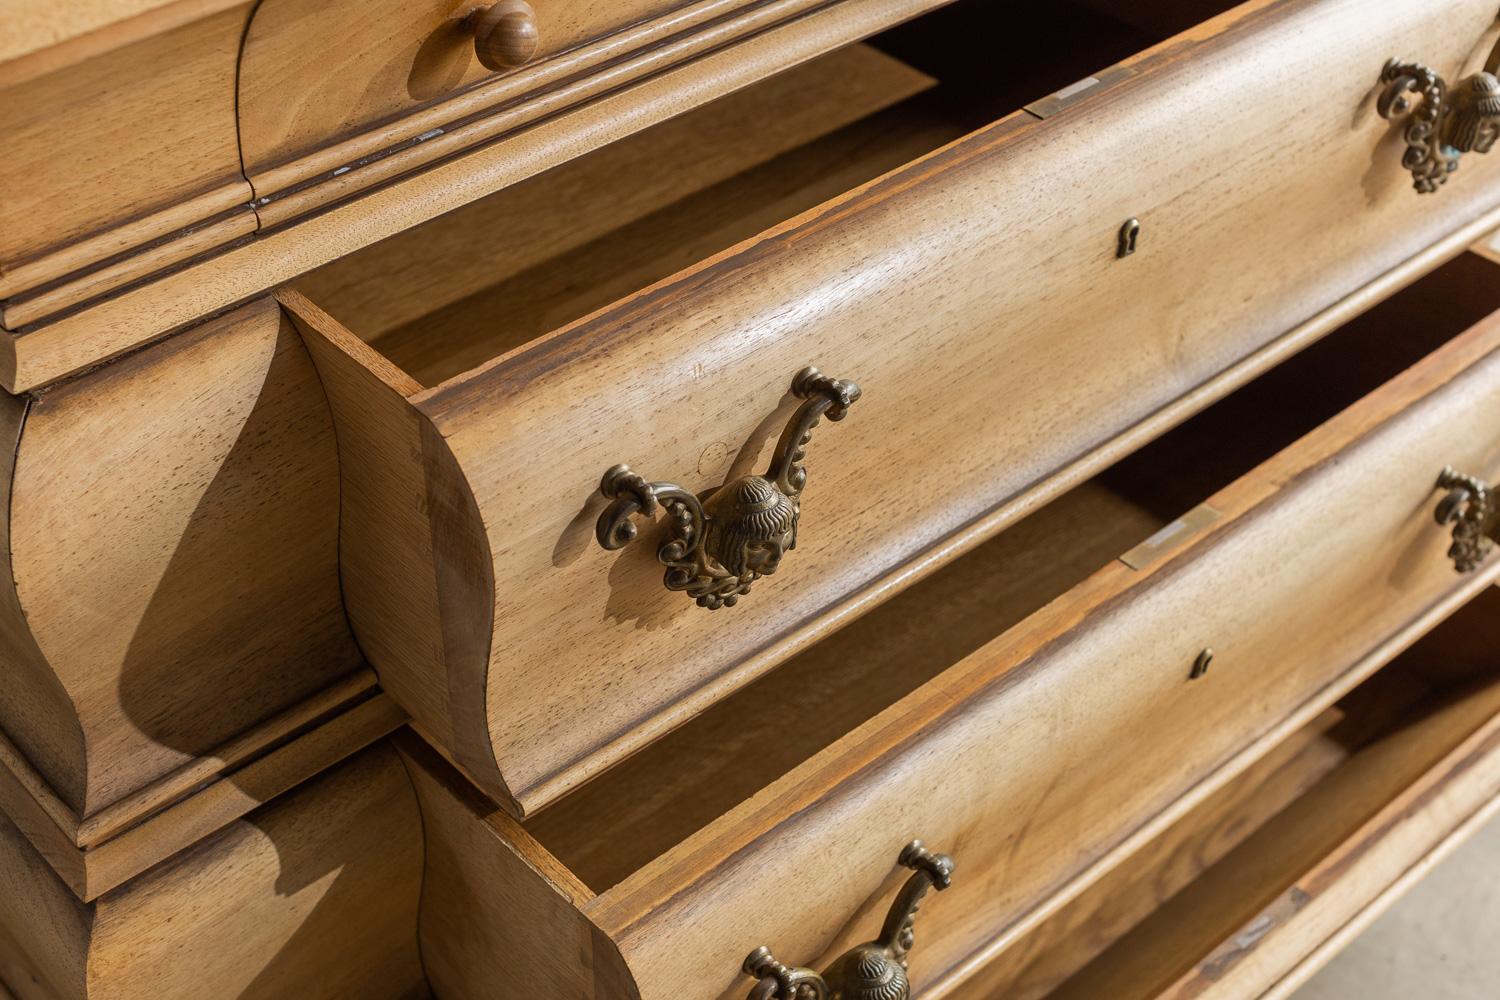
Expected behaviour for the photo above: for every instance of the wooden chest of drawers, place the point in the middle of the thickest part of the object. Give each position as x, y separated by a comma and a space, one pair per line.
743, 439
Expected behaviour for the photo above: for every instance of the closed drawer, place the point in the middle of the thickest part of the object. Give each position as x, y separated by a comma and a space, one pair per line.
975, 294
419, 80
121, 153
1036, 716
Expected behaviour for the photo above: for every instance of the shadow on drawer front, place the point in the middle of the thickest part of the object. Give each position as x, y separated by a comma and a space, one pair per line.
974, 293
1040, 710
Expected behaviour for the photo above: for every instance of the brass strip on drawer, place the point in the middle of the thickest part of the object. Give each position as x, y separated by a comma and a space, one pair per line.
1075, 92
1171, 537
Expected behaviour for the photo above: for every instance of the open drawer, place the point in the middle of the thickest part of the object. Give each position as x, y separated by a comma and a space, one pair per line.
1038, 717
978, 295
1397, 774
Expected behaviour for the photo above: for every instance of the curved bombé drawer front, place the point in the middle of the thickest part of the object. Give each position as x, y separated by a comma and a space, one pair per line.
975, 295
1036, 760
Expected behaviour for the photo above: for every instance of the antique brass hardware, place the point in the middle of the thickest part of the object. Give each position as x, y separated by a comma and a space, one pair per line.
875, 970
1470, 507
718, 545
1201, 664
1446, 123
1130, 235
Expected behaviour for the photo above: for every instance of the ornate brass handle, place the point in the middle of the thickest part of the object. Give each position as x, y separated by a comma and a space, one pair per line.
873, 969
1446, 124
1470, 507
717, 546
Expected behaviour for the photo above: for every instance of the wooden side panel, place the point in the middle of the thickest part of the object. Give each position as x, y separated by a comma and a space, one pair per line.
44, 928
315, 895
1012, 760
174, 523
500, 918
36, 711
401, 507
976, 297
120, 149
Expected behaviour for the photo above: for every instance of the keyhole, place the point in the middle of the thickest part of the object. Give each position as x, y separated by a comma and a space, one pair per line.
1129, 234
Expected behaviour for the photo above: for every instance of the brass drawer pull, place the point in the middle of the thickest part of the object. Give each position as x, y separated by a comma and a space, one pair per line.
1446, 123
505, 34
873, 969
716, 547
1470, 508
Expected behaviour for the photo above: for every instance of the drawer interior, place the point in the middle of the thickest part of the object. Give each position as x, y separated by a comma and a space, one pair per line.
683, 782
1347, 768
447, 296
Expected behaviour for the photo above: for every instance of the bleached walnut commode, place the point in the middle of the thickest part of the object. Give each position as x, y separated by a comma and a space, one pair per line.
794, 499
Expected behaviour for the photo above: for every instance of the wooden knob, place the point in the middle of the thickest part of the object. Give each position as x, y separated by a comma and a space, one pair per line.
505, 34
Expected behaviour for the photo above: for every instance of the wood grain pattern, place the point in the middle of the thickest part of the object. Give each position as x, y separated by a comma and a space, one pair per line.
42, 36
393, 57
430, 98
509, 313
562, 210
169, 817
1270, 906
482, 871
1013, 750
120, 150
698, 367
405, 197
1036, 964
316, 894
1000, 710
173, 551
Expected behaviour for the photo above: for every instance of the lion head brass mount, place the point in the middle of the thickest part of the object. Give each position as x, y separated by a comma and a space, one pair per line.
875, 970
720, 544
1470, 507
1446, 123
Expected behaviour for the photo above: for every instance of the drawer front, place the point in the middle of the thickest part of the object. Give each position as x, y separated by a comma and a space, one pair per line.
394, 56
128, 148
1045, 751
977, 297
1004, 348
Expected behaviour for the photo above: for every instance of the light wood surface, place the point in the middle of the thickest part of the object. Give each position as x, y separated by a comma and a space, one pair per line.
1272, 657
402, 196
312, 138
94, 856
313, 896
1266, 911
482, 871
580, 204
120, 150
1013, 750
1020, 369
394, 57
172, 528
42, 36
1040, 961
